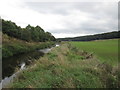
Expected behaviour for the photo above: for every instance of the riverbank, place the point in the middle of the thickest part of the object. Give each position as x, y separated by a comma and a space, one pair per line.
12, 46
24, 61
68, 67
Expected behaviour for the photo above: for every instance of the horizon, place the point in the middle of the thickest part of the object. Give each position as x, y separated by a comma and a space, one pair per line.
89, 34
64, 19
69, 37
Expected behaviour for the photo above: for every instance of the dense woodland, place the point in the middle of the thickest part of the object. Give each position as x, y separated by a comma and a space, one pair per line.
29, 33
109, 35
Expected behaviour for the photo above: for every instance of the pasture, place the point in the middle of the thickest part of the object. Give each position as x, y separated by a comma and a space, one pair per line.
105, 50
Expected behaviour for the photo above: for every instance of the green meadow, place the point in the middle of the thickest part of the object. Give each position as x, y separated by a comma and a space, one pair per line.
68, 66
105, 50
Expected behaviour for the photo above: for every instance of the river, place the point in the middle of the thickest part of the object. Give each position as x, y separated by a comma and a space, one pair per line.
13, 65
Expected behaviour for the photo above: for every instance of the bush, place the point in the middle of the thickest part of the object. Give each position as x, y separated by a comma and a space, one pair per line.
6, 53
10, 49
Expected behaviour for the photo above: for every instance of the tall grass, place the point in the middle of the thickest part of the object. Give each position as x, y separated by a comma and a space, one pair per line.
67, 67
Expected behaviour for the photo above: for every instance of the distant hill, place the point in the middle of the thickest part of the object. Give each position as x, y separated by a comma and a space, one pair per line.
108, 35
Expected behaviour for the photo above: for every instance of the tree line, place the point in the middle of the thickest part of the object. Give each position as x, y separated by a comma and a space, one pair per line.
109, 35
29, 33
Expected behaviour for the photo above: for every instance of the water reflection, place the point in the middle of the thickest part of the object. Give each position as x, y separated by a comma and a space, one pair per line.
20, 61
9, 65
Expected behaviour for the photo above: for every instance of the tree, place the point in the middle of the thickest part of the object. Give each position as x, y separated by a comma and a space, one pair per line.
29, 33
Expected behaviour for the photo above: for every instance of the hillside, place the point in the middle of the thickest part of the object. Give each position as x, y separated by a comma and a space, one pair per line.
17, 40
12, 46
67, 66
29, 33
109, 35
90, 64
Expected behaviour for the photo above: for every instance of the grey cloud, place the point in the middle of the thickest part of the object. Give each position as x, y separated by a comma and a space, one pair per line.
96, 10
88, 28
66, 7
49, 7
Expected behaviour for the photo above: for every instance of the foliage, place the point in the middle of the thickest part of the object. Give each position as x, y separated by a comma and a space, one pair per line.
29, 33
58, 69
109, 35
19, 46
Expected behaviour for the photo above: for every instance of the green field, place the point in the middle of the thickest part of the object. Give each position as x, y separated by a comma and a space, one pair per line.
105, 50
67, 67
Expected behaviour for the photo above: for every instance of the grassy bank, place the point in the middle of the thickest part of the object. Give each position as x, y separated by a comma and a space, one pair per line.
68, 67
105, 50
12, 46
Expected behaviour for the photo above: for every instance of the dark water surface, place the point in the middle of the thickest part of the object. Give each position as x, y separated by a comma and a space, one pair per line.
12, 66
9, 65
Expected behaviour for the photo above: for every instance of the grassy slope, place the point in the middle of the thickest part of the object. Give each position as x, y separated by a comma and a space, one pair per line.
106, 50
67, 67
12, 46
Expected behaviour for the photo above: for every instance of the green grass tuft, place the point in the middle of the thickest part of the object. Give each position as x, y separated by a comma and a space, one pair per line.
67, 67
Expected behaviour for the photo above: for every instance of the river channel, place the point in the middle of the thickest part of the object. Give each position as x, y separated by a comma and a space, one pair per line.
13, 65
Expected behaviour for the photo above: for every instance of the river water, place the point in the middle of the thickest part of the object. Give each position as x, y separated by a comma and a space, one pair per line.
13, 65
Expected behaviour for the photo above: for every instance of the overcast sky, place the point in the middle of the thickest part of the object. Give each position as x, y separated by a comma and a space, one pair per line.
63, 18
